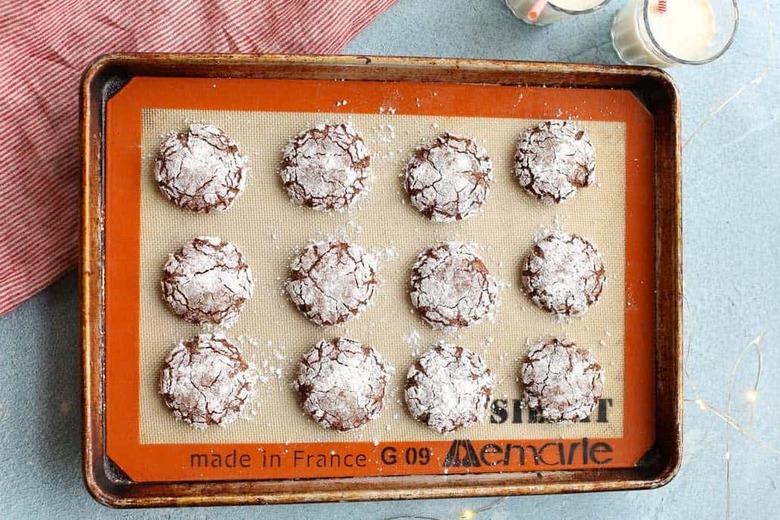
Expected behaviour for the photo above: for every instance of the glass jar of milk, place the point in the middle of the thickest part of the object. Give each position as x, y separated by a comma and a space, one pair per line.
554, 10
664, 33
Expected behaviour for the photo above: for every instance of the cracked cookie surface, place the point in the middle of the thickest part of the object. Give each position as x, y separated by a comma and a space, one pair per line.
562, 381
553, 160
448, 388
449, 178
327, 168
342, 384
452, 288
201, 169
563, 273
207, 282
206, 381
332, 281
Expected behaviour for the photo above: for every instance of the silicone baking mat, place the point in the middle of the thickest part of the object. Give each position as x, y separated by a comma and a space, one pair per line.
276, 440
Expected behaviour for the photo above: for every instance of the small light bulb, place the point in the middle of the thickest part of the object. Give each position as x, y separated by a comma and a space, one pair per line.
701, 404
468, 514
751, 396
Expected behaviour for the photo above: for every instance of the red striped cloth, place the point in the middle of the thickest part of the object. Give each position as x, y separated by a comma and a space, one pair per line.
44, 47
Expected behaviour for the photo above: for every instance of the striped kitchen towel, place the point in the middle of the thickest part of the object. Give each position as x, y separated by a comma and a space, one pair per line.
45, 45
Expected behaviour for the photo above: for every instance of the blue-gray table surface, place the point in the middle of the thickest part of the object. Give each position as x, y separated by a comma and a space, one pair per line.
732, 295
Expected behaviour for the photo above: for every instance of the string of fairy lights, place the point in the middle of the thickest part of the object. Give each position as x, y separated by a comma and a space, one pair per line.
750, 396
465, 514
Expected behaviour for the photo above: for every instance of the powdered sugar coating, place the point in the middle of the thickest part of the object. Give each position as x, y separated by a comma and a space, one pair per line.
448, 179
342, 384
553, 159
326, 168
448, 388
207, 381
332, 281
201, 169
562, 381
563, 274
452, 288
207, 282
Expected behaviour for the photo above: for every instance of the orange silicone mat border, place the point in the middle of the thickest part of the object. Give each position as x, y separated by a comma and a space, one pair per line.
122, 225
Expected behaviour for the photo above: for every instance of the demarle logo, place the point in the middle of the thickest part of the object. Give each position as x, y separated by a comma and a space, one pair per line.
469, 459
463, 454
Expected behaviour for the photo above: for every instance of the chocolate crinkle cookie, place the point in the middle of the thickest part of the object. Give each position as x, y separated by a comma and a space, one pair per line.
207, 381
553, 159
448, 388
452, 288
327, 168
332, 281
448, 179
207, 282
562, 381
563, 274
201, 169
342, 384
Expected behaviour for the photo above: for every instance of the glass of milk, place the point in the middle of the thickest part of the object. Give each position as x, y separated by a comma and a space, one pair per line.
554, 10
662, 34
